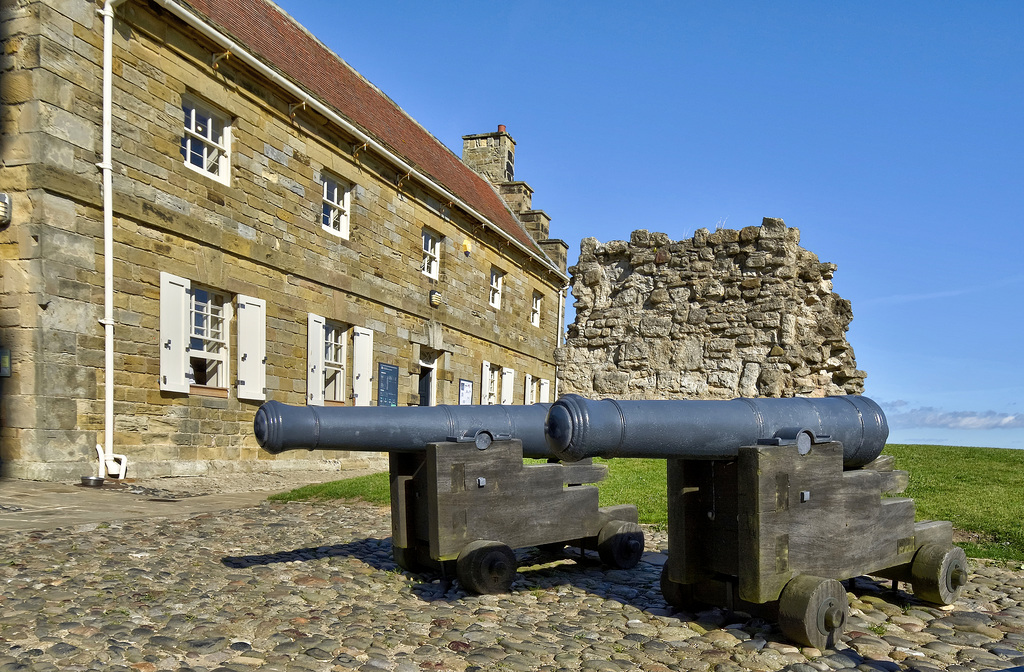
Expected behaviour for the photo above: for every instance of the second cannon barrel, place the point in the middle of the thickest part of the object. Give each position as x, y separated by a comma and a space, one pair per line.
279, 427
577, 428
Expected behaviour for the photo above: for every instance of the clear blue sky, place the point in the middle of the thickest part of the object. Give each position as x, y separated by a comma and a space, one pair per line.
891, 134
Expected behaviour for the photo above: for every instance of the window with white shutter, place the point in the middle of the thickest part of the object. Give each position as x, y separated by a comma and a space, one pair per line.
174, 301
194, 328
508, 379
252, 348
535, 309
362, 366
488, 385
326, 355
315, 360
431, 265
544, 396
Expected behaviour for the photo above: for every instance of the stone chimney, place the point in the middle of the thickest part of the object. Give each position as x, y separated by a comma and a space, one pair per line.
493, 155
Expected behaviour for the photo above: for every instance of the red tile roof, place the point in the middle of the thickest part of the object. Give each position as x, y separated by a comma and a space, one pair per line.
274, 37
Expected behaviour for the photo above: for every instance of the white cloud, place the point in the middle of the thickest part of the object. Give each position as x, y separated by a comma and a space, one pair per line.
900, 417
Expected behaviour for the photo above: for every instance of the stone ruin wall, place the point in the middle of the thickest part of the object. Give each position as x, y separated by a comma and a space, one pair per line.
727, 314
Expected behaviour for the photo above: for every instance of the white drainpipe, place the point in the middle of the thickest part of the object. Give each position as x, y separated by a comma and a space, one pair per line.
560, 333
109, 463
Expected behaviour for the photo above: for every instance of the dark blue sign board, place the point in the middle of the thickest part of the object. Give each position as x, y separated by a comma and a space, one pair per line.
387, 385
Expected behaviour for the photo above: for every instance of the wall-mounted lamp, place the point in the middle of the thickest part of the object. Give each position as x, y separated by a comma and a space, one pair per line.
5, 210
435, 298
467, 247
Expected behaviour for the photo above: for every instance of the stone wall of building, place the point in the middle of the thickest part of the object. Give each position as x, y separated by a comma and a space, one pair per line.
258, 235
731, 313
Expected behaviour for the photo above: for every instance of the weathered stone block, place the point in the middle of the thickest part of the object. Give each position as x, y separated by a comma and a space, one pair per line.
640, 238
688, 354
655, 327
16, 87
66, 314
611, 382
659, 296
59, 445
748, 379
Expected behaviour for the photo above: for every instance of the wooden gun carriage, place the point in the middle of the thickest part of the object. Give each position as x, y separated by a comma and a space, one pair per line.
772, 502
462, 497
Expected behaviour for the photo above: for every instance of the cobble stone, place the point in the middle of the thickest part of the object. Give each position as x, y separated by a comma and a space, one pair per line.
303, 587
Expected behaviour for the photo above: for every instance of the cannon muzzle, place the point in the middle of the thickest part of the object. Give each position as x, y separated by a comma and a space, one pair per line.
279, 427
577, 428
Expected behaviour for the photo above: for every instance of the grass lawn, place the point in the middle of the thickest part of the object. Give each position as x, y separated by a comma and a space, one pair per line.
981, 490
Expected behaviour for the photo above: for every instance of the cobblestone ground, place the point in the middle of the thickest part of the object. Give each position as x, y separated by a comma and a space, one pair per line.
297, 587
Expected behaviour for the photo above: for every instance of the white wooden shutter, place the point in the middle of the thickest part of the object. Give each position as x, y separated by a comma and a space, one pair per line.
485, 383
362, 365
174, 308
545, 392
252, 348
508, 381
315, 360
528, 395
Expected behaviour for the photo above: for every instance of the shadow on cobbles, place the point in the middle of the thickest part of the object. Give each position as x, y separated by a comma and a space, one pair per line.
439, 584
378, 554
545, 569
374, 552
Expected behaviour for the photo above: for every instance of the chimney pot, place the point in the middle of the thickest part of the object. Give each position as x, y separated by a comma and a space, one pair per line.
501, 128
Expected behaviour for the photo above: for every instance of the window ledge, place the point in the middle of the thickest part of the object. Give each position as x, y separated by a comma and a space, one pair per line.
216, 177
342, 235
203, 391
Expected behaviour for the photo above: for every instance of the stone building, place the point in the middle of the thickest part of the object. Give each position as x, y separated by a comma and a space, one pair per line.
204, 208
727, 314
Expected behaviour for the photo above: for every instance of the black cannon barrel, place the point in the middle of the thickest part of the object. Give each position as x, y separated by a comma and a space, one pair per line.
577, 427
281, 427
